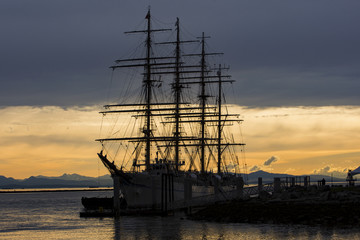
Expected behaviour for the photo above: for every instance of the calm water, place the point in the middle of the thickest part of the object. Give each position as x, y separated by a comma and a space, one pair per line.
55, 215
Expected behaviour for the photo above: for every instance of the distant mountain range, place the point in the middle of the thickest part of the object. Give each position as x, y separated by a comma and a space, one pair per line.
64, 181
75, 180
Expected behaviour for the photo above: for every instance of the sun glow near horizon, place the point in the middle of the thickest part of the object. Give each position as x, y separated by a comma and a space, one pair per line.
52, 140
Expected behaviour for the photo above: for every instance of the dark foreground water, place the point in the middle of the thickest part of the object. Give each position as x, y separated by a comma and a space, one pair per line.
55, 215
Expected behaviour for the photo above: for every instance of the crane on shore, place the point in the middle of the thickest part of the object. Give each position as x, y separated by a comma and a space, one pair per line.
350, 176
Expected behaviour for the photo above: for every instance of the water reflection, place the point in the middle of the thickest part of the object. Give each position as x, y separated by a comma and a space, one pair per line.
56, 216
128, 227
136, 227
117, 228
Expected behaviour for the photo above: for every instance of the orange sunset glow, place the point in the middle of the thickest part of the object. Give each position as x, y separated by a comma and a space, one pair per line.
52, 140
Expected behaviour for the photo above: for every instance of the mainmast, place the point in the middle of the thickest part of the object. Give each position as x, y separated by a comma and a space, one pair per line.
177, 89
203, 98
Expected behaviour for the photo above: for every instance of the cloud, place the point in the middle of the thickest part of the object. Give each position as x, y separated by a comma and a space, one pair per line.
267, 163
255, 168
289, 54
336, 172
270, 161
324, 170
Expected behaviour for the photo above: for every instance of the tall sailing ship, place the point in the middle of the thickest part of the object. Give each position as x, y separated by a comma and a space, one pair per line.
169, 143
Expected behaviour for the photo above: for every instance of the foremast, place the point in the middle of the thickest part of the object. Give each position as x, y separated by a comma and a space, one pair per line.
147, 63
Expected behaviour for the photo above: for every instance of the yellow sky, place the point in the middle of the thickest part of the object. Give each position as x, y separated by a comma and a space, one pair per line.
51, 140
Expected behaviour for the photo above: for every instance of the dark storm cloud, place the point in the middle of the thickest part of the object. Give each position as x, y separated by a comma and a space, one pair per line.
281, 52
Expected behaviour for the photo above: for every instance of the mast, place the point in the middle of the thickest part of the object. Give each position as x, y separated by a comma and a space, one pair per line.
148, 85
202, 104
177, 94
204, 79
219, 122
148, 62
177, 89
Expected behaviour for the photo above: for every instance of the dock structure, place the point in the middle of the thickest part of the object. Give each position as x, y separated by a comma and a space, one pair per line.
279, 184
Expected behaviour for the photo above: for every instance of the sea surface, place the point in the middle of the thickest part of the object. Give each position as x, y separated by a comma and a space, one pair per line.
55, 215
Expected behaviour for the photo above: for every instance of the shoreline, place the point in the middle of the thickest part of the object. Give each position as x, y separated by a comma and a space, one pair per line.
32, 190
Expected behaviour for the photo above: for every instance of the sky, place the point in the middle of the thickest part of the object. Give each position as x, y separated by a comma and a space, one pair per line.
296, 63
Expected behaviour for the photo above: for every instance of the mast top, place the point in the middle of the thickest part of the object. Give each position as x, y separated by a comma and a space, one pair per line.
148, 13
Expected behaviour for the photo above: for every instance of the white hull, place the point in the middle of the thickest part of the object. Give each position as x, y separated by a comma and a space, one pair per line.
145, 190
